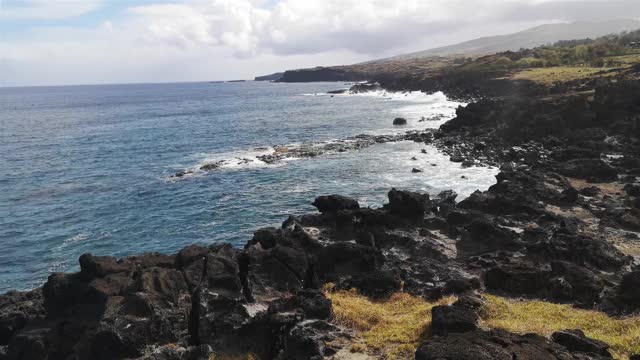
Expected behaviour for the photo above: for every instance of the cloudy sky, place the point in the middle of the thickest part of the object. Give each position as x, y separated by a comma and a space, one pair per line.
44, 42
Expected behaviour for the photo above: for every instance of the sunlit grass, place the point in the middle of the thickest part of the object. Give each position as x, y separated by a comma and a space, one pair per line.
390, 328
552, 75
393, 328
543, 318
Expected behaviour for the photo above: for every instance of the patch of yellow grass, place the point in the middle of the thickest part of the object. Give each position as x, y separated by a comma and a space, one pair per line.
543, 318
625, 60
552, 75
391, 328
610, 188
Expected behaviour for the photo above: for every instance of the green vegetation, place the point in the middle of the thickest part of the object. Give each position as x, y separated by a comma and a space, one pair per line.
623, 335
590, 56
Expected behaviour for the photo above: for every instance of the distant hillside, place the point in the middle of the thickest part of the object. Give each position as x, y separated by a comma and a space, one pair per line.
273, 77
527, 39
430, 62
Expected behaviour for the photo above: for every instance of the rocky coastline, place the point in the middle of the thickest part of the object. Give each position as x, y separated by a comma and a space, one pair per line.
561, 224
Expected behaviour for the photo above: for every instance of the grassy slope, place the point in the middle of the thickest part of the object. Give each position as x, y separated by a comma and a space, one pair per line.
623, 335
393, 328
565, 61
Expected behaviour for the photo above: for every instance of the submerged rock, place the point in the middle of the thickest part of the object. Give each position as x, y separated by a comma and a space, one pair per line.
400, 121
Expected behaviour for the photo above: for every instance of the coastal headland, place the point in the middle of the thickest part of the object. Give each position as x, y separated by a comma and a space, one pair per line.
425, 276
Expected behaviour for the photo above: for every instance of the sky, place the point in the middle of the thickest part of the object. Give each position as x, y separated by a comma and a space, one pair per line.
56, 42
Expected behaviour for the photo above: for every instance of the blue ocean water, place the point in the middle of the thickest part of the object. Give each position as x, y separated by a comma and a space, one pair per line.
88, 168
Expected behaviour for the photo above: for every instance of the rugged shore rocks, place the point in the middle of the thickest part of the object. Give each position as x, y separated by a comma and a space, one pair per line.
265, 298
560, 224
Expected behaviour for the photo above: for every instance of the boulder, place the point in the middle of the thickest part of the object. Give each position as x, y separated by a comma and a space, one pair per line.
591, 191
579, 249
164, 286
153, 259
138, 304
190, 254
576, 341
590, 169
365, 87
376, 284
589, 134
399, 121
108, 344
631, 220
629, 289
342, 259
278, 269
305, 340
64, 292
335, 203
266, 237
632, 190
31, 345
453, 319
407, 203
518, 279
482, 236
570, 195
10, 324
577, 283
444, 203
471, 302
461, 285
16, 310
490, 345
312, 303
101, 266
457, 158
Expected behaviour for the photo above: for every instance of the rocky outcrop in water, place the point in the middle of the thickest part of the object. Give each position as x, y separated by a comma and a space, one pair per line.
308, 150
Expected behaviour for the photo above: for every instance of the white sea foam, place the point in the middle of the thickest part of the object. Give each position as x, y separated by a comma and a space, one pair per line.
240, 159
422, 110
438, 172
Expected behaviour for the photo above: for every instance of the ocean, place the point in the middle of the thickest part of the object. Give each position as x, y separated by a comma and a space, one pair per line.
90, 168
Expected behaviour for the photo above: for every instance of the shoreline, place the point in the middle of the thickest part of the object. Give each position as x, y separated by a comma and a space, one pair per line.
535, 234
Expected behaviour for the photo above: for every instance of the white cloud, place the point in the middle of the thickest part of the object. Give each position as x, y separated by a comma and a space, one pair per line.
225, 39
236, 24
46, 9
363, 26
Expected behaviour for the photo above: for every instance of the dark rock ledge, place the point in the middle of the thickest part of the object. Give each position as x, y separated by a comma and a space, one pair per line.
264, 298
558, 225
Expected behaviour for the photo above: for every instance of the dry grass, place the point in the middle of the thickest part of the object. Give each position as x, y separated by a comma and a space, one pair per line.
390, 329
552, 75
610, 188
623, 335
393, 328
625, 60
